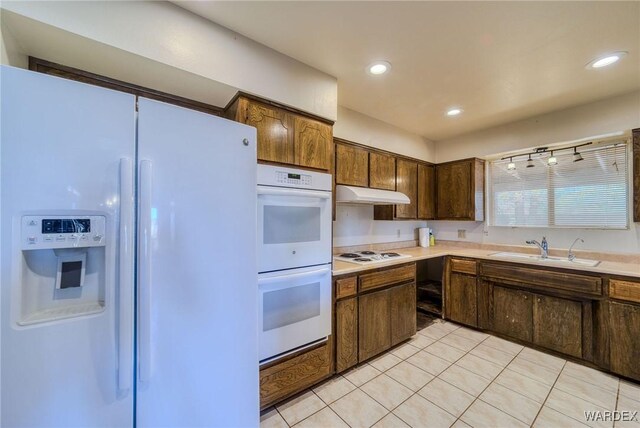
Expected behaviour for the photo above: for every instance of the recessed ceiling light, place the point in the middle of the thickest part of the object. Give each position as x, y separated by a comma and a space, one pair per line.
606, 60
379, 67
454, 111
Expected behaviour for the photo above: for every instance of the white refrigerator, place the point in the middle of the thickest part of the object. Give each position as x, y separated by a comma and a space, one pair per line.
128, 284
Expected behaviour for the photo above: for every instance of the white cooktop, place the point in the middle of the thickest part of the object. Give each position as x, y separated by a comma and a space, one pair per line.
370, 257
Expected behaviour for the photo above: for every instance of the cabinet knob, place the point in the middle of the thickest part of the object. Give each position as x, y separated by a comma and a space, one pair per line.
538, 299
525, 297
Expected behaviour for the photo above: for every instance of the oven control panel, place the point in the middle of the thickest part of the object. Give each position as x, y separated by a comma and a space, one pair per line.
278, 176
283, 177
62, 231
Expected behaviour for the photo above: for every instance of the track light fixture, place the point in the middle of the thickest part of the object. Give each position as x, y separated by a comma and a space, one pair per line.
551, 161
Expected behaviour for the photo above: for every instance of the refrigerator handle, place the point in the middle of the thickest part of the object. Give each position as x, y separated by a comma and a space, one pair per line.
144, 273
125, 277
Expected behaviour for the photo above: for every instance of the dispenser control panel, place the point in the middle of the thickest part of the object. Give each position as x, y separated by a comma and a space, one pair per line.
62, 231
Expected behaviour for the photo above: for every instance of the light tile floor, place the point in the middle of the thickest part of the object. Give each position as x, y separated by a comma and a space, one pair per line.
448, 375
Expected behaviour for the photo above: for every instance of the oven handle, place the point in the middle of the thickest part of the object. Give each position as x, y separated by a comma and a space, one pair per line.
270, 280
279, 191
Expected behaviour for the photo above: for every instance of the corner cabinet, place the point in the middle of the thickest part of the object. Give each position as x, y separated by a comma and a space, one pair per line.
285, 136
460, 190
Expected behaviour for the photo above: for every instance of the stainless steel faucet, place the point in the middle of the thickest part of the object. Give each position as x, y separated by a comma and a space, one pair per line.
572, 256
544, 253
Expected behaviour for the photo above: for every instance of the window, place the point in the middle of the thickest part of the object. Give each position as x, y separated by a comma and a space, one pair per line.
591, 193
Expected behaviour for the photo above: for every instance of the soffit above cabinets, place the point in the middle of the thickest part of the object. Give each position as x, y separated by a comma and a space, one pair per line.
499, 61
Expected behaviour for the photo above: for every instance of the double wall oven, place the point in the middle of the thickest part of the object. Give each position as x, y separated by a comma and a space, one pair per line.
294, 259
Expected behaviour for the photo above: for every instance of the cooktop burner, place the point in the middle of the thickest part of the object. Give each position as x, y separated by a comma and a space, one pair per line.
369, 257
350, 255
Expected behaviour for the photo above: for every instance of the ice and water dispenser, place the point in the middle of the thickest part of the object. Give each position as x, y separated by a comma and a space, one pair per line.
62, 272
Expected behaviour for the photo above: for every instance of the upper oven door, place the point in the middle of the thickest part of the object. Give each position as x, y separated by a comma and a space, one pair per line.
294, 228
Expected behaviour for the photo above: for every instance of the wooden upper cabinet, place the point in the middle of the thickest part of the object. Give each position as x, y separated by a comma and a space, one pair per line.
284, 136
382, 171
352, 165
313, 143
460, 190
275, 133
407, 183
426, 192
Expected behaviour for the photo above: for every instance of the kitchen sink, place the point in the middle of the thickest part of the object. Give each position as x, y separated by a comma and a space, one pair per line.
550, 259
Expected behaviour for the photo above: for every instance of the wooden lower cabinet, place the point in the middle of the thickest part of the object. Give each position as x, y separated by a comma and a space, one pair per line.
461, 304
402, 300
346, 333
557, 324
292, 374
374, 330
624, 336
512, 313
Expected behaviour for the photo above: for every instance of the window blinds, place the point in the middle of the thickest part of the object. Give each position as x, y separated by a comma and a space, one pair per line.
591, 193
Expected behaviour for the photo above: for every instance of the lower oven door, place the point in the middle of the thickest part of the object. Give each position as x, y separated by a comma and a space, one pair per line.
294, 309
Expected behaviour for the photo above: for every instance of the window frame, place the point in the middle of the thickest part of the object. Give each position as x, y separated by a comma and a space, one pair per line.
489, 201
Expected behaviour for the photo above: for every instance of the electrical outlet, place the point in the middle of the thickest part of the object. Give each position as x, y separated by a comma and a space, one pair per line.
462, 234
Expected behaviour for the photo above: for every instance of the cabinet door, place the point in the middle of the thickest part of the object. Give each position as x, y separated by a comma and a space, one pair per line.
352, 165
454, 191
313, 143
557, 324
346, 333
374, 335
403, 312
275, 133
512, 313
426, 192
461, 299
624, 322
407, 183
382, 170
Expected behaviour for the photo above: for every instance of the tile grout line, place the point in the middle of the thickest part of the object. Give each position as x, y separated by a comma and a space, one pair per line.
478, 396
549, 393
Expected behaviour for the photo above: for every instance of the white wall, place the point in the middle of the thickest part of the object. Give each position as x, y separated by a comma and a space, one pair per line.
10, 51
354, 225
609, 115
167, 34
619, 113
359, 128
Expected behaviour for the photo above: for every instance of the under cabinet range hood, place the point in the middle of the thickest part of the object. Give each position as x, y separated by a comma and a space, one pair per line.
363, 195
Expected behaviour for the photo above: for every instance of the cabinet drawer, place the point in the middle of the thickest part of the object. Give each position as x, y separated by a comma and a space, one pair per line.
624, 290
346, 287
371, 281
463, 266
540, 279
282, 379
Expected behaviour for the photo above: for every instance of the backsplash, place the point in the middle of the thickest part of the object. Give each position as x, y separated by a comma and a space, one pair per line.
354, 225
604, 240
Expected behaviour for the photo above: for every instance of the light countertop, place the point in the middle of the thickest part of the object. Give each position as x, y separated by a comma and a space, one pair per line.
419, 253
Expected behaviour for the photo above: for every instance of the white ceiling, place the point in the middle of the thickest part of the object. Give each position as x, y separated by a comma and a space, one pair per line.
499, 61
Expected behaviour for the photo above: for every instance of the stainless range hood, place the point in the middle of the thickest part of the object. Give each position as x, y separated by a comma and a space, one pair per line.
363, 195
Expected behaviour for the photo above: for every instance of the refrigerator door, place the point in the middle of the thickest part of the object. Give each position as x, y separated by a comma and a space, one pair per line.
65, 147
197, 277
